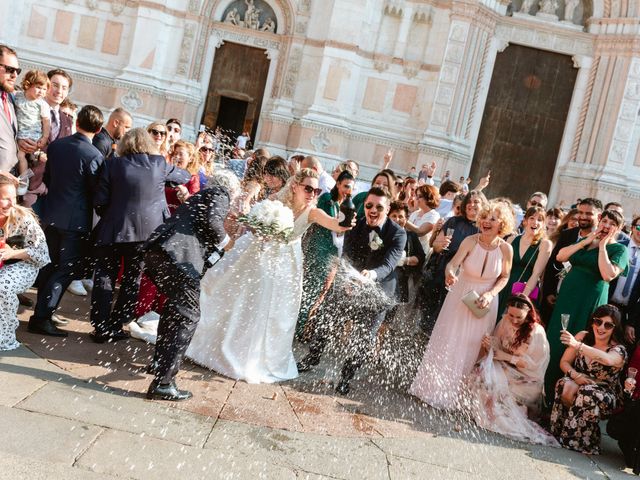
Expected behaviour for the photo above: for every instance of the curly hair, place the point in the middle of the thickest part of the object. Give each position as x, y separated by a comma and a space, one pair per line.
287, 193
193, 167
507, 222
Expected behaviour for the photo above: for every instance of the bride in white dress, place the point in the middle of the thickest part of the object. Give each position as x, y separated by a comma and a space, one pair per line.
249, 304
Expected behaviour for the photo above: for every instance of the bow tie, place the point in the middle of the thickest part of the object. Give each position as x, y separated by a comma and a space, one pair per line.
373, 229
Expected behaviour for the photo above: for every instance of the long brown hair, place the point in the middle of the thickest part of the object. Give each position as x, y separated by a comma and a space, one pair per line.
523, 302
537, 210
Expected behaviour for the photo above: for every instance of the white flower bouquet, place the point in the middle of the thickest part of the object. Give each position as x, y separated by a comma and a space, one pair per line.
270, 219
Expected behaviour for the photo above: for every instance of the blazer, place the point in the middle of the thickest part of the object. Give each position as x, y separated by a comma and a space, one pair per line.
382, 261
71, 173
8, 145
38, 167
194, 231
130, 197
104, 142
413, 248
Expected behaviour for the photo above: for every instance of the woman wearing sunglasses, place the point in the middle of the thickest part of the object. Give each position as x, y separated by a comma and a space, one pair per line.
250, 307
590, 389
158, 132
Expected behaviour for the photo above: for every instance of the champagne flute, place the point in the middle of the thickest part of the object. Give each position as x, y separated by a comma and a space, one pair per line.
449, 233
564, 320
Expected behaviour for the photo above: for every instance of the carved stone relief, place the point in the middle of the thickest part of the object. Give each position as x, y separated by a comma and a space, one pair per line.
131, 101
117, 6
185, 49
252, 14
291, 77
320, 141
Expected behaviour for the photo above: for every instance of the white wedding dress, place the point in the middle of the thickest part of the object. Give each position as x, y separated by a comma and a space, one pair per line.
249, 305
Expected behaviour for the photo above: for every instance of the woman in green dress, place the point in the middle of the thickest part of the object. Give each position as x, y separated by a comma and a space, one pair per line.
531, 252
595, 261
383, 179
320, 246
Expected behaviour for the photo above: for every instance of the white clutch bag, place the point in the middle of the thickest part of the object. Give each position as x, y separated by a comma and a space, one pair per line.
470, 301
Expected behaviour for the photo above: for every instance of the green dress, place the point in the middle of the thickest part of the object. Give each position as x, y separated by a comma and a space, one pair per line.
318, 253
358, 202
582, 291
521, 268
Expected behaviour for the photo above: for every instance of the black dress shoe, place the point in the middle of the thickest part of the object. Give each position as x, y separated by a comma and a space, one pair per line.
25, 301
46, 328
104, 337
167, 391
343, 387
307, 363
151, 368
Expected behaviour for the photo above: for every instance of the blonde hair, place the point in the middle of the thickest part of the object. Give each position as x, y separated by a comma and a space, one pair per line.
17, 212
193, 167
136, 140
507, 222
164, 146
287, 192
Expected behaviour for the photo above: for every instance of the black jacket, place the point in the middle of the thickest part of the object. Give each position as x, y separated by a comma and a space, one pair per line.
550, 279
71, 173
103, 142
194, 231
382, 261
130, 197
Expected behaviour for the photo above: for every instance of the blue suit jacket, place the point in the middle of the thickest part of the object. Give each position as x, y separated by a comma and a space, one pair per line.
382, 261
130, 197
71, 174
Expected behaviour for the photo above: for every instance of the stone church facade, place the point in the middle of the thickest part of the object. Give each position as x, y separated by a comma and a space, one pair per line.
545, 93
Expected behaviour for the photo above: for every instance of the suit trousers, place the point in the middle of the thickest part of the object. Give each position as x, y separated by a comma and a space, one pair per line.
179, 318
108, 261
67, 250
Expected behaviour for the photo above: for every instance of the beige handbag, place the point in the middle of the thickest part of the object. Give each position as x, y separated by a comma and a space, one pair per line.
470, 301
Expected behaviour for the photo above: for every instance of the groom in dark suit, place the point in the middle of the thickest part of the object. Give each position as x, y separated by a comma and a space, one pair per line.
178, 254
374, 248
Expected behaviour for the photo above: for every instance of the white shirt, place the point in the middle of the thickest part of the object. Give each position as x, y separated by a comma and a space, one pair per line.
618, 297
419, 219
445, 207
241, 141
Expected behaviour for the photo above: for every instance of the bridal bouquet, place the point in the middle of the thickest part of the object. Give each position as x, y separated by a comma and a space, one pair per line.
270, 219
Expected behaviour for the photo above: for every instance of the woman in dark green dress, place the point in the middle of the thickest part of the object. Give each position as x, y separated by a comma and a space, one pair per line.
595, 261
320, 247
383, 179
531, 252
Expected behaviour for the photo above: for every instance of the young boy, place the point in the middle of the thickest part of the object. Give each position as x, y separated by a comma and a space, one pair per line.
32, 113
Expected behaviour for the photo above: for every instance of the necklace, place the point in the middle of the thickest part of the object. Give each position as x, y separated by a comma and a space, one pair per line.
493, 243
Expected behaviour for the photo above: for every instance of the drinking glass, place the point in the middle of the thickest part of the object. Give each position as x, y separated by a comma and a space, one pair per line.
564, 320
449, 233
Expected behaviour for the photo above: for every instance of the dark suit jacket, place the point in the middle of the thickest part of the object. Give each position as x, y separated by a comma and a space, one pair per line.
104, 142
413, 248
130, 197
71, 174
190, 236
382, 261
38, 168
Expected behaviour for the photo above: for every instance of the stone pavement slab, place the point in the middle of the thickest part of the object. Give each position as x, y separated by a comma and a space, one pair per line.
135, 456
336, 457
43, 437
14, 467
89, 404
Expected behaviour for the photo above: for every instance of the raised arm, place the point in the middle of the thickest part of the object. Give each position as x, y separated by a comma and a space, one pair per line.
608, 268
321, 218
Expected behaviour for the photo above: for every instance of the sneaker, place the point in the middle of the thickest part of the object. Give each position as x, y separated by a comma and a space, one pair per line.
87, 283
59, 321
149, 317
144, 334
77, 288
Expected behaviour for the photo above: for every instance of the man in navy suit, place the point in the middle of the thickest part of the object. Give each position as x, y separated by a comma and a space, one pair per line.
374, 248
71, 175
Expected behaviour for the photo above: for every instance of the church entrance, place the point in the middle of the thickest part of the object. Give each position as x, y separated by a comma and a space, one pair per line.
523, 121
236, 88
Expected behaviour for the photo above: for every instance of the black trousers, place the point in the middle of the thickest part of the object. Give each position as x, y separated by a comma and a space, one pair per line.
179, 317
108, 261
624, 427
68, 251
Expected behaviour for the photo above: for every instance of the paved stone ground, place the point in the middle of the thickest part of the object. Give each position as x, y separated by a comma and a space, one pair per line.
73, 409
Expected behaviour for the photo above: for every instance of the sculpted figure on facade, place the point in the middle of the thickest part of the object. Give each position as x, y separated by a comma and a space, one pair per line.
233, 17
252, 15
569, 9
269, 25
526, 6
549, 6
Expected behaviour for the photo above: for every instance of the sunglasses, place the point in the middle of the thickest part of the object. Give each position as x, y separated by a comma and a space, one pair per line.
155, 132
637, 227
598, 322
11, 70
378, 207
206, 149
309, 189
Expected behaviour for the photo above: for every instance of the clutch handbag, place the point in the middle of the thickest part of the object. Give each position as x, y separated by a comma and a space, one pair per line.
470, 301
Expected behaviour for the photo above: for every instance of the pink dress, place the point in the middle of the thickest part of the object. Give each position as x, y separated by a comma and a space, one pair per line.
454, 346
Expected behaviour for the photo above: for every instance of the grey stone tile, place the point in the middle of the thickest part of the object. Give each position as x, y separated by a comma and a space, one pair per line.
13, 467
43, 437
141, 457
403, 468
338, 457
90, 404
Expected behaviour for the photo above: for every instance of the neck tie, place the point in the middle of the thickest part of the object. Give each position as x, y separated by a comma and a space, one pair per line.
55, 126
5, 106
632, 269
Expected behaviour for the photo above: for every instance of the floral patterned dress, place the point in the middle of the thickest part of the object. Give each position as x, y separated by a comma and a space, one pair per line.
577, 427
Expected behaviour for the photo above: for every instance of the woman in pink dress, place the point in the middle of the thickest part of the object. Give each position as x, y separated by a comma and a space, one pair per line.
485, 263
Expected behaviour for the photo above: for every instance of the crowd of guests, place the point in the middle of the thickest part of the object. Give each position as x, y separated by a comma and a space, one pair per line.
531, 314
